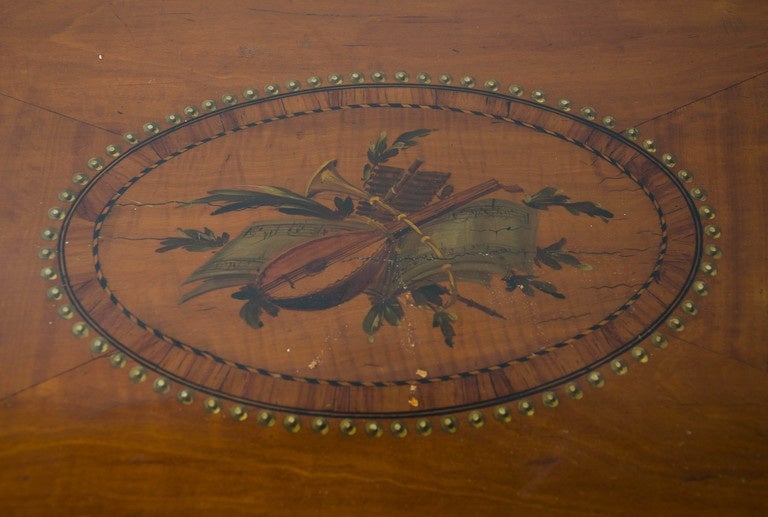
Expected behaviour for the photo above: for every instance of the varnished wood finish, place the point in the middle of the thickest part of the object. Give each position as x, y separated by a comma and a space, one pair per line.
684, 433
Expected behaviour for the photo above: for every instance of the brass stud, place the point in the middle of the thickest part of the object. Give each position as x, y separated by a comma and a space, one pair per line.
335, 79
707, 212
649, 145
238, 413
632, 133
669, 159
401, 76
117, 360
685, 176
708, 268
80, 330
46, 253
574, 390
347, 427
700, 288
609, 121
492, 85
161, 385
468, 81
314, 81
550, 399
476, 419
356, 78
588, 112
172, 119
516, 90
619, 366
137, 374
526, 408
539, 96
54, 293
271, 89
208, 105
689, 307
292, 423
151, 128
131, 138
251, 93
659, 340
265, 418
293, 85
113, 150
49, 234
596, 379
185, 396
423, 427
713, 251
699, 193
212, 405
676, 324
713, 231
378, 77
565, 104
99, 345
191, 112
67, 196
56, 213
373, 429
398, 428
445, 79
319, 425
49, 273
80, 178
639, 354
502, 414
449, 424
66, 312
229, 99
95, 163
423, 78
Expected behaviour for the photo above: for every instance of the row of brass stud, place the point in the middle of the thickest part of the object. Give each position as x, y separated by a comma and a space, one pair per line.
422, 426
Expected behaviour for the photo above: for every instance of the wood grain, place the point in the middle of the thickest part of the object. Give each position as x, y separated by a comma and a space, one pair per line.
684, 433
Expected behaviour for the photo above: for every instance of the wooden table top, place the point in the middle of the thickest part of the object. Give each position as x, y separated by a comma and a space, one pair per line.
559, 309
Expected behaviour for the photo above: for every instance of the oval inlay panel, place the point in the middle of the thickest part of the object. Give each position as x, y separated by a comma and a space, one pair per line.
490, 248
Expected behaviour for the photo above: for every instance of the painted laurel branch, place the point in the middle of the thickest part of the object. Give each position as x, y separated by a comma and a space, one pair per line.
393, 221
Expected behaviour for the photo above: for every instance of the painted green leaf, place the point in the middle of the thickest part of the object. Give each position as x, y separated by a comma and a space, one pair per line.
528, 283
251, 314
379, 152
372, 320
552, 256
285, 200
393, 313
444, 320
193, 240
344, 206
256, 303
551, 196
546, 287
429, 295
367, 169
408, 137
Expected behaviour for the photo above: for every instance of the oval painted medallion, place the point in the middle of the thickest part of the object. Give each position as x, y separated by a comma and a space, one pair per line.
380, 250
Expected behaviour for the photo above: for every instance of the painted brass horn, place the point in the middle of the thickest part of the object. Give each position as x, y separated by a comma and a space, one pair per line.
327, 179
